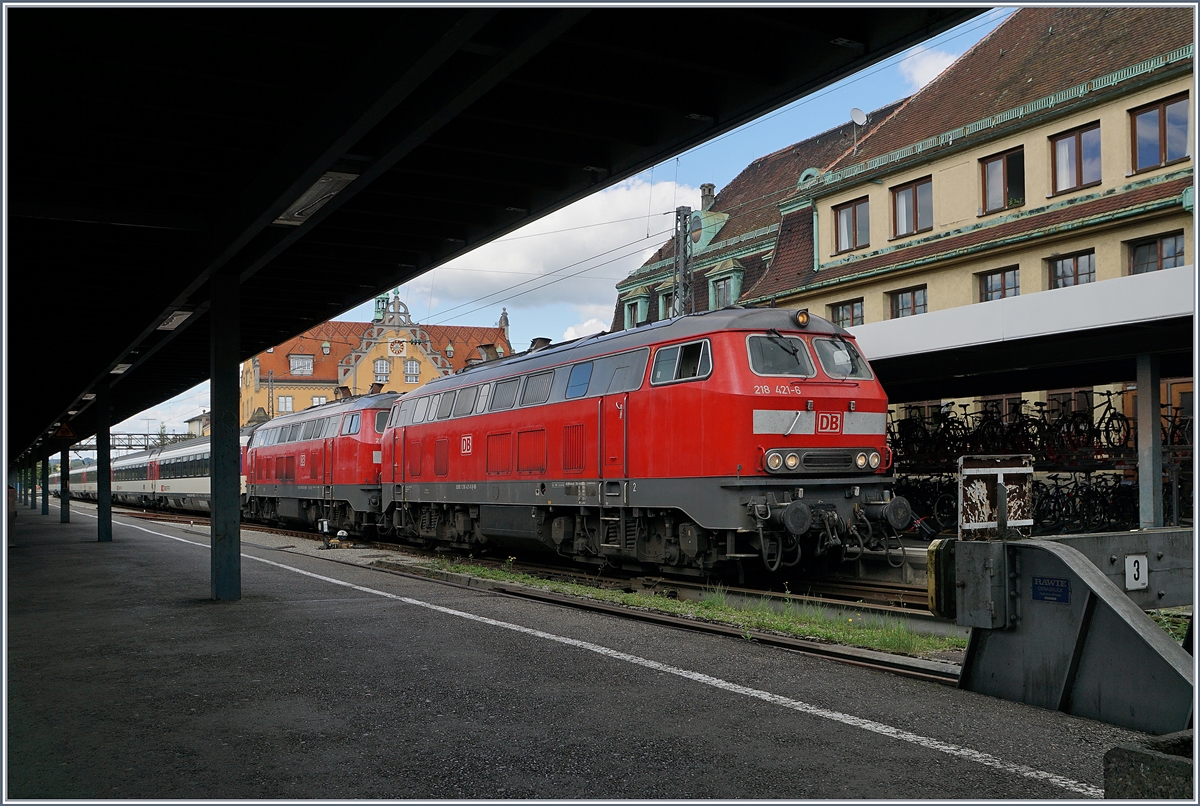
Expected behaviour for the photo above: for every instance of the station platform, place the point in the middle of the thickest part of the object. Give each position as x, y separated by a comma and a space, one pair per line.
330, 680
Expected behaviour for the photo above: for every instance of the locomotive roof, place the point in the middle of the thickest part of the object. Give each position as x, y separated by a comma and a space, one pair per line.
694, 325
382, 400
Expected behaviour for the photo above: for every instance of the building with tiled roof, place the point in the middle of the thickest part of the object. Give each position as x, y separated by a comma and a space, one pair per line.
335, 359
738, 229
1056, 151
298, 373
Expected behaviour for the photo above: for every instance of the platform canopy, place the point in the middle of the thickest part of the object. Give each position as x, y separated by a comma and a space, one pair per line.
1084, 335
327, 154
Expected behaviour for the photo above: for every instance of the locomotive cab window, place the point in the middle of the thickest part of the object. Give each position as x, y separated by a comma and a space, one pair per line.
839, 359
405, 415
380, 421
505, 394
780, 355
682, 362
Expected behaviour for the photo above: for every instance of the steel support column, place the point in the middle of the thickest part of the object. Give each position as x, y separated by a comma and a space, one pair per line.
33, 484
1149, 443
46, 484
22, 485
225, 490
104, 466
64, 486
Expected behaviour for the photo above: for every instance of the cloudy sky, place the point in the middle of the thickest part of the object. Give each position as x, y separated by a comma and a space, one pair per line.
556, 277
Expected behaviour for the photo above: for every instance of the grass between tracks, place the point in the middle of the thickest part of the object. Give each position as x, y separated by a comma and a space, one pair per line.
795, 619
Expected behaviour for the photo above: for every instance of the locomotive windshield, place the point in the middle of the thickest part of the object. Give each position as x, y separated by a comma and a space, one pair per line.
840, 360
779, 355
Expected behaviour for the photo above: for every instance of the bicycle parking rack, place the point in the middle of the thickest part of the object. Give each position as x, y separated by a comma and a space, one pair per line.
1059, 622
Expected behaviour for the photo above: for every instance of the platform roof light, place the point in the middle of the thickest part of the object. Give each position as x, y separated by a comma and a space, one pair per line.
89, 396
175, 319
119, 368
313, 199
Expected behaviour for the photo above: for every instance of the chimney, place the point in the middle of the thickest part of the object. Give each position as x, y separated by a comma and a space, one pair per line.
376, 388
488, 351
707, 195
540, 343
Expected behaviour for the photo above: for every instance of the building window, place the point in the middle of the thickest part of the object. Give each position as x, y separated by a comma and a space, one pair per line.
300, 364
999, 284
1004, 180
1163, 252
853, 225
285, 403
1160, 133
912, 207
383, 370
319, 400
720, 293
666, 304
908, 302
412, 367
1073, 270
847, 314
1076, 158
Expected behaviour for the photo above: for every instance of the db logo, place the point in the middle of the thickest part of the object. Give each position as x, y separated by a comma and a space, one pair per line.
466, 445
829, 422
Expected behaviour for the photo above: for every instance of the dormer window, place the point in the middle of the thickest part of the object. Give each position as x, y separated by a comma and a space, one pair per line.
300, 364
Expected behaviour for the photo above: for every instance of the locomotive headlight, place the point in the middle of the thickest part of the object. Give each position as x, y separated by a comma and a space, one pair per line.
774, 461
792, 461
873, 459
861, 461
802, 318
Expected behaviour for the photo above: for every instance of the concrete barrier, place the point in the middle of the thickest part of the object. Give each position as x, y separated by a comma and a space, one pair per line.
1158, 768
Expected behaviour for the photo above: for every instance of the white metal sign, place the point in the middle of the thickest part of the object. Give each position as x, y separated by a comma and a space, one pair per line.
1136, 577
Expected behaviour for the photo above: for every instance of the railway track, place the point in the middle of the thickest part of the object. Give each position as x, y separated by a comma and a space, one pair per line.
891, 600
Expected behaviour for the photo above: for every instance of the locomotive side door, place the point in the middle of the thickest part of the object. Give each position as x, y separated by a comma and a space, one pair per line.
614, 429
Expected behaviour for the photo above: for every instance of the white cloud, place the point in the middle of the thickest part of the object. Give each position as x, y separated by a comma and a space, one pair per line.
585, 329
919, 68
557, 274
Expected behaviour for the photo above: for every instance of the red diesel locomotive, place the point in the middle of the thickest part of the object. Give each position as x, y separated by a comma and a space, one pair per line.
687, 444
322, 463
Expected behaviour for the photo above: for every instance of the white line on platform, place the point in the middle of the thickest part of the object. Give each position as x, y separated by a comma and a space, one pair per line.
966, 753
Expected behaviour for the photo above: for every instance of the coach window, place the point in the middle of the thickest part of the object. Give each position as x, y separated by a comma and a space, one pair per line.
465, 404
204, 471
310, 429
577, 383
537, 389
682, 362
839, 359
350, 426
481, 404
505, 394
780, 355
445, 405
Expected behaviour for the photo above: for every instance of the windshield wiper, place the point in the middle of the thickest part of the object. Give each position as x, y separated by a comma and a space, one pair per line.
777, 337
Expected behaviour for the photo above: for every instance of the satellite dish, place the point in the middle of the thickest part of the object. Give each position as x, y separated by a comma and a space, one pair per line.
858, 116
